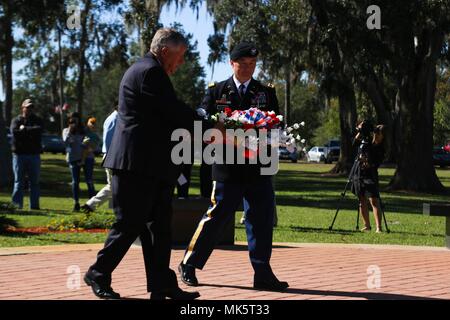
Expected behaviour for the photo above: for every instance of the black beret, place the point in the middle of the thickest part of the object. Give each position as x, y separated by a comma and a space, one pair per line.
243, 49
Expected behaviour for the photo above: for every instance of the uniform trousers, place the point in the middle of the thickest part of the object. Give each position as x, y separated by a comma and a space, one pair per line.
225, 200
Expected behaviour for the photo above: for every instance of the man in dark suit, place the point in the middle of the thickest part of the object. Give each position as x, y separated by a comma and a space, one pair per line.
233, 182
144, 176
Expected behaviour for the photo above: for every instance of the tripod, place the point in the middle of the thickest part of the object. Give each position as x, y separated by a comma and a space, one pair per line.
350, 180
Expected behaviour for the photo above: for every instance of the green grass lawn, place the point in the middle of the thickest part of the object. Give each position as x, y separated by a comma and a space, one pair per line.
306, 200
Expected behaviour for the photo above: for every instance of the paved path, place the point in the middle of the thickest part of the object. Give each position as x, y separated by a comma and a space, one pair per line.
313, 272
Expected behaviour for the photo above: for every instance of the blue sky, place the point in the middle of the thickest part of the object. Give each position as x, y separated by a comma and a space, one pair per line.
200, 29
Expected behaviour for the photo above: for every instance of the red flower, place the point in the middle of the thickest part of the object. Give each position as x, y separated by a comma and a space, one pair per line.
248, 126
227, 111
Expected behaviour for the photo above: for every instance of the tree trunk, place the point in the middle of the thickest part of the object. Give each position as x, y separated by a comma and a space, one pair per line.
347, 121
141, 39
82, 55
287, 95
8, 60
415, 169
5, 154
61, 82
373, 86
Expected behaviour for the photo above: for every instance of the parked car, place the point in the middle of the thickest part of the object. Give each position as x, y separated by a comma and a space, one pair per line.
441, 157
285, 154
316, 154
53, 143
332, 151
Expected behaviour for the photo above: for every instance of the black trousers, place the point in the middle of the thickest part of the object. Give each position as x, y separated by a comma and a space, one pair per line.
143, 208
206, 180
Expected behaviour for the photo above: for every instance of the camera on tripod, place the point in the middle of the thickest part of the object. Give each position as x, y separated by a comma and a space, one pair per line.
364, 169
364, 133
365, 130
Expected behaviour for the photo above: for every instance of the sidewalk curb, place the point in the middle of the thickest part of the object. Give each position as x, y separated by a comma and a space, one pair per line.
97, 246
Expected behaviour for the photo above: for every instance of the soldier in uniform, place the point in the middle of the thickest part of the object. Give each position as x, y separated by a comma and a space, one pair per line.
234, 182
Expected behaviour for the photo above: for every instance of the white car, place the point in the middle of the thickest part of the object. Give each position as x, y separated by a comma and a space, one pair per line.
316, 154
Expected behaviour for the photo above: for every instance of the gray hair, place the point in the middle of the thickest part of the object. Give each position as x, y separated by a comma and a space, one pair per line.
167, 37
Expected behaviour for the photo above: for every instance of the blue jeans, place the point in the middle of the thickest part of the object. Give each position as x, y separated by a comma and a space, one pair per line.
75, 169
26, 165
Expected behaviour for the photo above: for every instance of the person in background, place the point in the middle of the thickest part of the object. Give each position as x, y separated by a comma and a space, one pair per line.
365, 182
91, 142
106, 193
73, 137
26, 130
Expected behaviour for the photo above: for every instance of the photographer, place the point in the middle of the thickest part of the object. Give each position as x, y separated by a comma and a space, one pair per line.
365, 176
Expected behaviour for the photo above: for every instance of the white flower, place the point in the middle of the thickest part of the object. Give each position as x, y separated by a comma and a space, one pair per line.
302, 123
280, 118
222, 116
235, 116
289, 130
298, 137
293, 141
296, 126
243, 119
214, 118
303, 141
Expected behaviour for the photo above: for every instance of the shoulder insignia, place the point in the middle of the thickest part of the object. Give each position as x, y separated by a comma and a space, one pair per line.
211, 84
271, 85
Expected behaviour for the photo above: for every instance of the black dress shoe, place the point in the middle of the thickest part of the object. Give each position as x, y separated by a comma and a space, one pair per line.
270, 285
175, 294
101, 291
76, 207
188, 275
86, 209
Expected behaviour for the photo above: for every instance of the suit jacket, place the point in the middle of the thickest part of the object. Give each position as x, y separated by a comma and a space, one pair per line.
225, 94
149, 111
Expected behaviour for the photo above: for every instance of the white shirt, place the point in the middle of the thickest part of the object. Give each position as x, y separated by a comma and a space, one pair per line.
238, 83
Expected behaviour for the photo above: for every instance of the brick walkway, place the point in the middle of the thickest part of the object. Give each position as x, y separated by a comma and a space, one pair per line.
313, 272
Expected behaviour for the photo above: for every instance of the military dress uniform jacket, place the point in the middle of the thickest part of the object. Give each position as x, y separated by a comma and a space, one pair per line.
149, 111
225, 94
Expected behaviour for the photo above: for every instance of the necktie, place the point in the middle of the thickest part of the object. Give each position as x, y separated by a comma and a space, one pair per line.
242, 90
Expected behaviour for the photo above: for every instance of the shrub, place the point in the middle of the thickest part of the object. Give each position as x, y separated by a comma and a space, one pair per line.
83, 222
